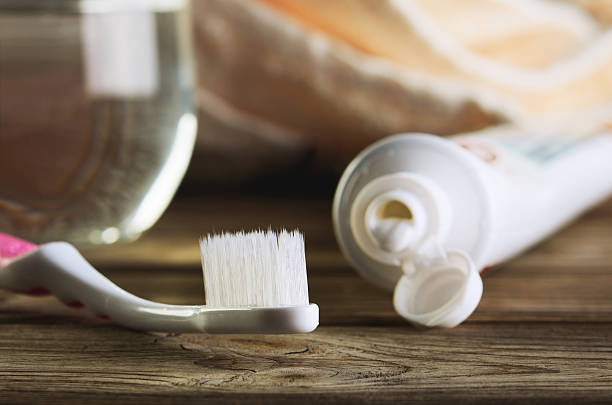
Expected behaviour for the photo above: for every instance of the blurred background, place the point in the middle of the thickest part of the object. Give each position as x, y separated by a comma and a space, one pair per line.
99, 99
286, 84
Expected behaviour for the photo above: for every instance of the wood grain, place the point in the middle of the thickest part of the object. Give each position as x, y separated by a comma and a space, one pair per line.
542, 334
74, 361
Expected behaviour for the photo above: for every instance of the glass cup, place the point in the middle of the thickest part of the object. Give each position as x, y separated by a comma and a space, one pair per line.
96, 116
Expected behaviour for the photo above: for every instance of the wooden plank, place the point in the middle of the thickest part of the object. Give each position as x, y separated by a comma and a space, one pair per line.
44, 359
174, 240
542, 333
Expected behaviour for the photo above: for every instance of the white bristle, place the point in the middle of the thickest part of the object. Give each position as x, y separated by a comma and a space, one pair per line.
258, 269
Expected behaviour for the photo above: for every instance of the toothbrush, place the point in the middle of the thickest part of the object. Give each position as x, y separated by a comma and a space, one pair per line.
254, 283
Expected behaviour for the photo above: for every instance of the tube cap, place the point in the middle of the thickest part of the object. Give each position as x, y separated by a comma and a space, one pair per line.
440, 292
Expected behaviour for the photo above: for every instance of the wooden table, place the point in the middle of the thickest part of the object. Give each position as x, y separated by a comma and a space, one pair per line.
543, 332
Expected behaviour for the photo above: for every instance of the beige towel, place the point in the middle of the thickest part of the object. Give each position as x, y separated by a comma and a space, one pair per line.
282, 80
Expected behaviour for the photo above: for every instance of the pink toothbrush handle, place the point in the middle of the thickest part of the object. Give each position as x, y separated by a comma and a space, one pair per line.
58, 268
12, 248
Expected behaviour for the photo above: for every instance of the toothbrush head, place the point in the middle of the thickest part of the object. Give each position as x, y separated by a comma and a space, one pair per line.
256, 283
255, 269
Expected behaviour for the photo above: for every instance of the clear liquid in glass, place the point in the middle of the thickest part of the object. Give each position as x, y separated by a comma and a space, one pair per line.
96, 119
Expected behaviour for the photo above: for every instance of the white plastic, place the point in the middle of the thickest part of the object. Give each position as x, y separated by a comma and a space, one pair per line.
482, 198
439, 293
60, 268
390, 238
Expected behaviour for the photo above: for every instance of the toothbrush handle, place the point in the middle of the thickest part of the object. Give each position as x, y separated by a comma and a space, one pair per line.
12, 248
60, 269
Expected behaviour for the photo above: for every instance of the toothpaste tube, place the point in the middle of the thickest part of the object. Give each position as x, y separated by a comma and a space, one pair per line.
425, 215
